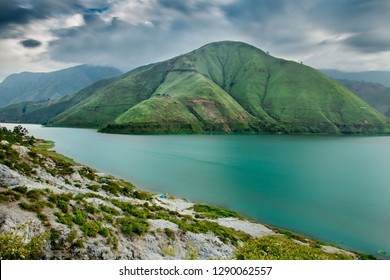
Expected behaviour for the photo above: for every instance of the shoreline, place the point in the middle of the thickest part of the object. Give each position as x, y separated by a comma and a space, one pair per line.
78, 181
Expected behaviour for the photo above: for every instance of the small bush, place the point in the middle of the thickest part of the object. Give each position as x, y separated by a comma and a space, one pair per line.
142, 195
104, 232
131, 226
9, 196
109, 210
213, 212
79, 217
34, 194
33, 207
90, 209
62, 205
20, 189
94, 188
14, 246
91, 228
108, 218
170, 233
65, 219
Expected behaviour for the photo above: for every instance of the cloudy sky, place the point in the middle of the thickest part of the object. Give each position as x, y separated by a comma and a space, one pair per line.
45, 35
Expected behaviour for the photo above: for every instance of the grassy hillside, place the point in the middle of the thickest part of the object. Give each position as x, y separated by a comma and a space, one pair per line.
221, 87
256, 90
42, 111
377, 95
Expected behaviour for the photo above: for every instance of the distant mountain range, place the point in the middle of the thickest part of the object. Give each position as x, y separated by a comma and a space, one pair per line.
221, 87
377, 95
380, 77
29, 86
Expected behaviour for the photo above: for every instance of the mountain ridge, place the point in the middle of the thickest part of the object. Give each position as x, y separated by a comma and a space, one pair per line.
38, 86
222, 87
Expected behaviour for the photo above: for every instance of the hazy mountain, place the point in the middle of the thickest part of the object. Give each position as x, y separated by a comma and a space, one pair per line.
375, 94
29, 86
381, 77
221, 87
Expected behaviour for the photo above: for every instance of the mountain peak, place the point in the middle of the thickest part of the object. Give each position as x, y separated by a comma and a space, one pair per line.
221, 87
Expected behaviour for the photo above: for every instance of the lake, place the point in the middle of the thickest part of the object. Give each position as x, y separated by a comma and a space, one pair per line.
332, 188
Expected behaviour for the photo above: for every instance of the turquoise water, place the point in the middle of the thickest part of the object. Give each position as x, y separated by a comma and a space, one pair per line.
336, 189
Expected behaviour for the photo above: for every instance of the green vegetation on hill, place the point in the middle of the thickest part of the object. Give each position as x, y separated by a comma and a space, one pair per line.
377, 95
221, 87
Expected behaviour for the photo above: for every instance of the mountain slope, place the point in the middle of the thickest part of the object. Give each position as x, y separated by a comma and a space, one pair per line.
29, 86
377, 95
221, 87
281, 95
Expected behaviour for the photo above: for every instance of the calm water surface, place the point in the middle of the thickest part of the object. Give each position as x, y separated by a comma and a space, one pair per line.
336, 189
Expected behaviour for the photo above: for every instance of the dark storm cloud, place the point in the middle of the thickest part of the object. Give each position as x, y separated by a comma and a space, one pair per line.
30, 43
366, 22
25, 11
130, 33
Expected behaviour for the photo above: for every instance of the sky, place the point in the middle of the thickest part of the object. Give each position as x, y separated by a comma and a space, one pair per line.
47, 35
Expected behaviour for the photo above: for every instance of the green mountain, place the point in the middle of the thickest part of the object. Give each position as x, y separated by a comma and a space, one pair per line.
377, 95
27, 86
221, 87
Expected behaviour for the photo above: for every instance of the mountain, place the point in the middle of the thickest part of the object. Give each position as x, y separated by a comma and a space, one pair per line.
221, 87
381, 77
29, 86
377, 95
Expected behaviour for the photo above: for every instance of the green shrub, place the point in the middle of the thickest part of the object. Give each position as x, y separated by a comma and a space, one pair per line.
170, 233
9, 196
213, 212
108, 218
104, 232
54, 239
90, 209
63, 196
65, 219
32, 207
131, 209
20, 189
14, 246
142, 195
131, 226
94, 188
34, 194
79, 243
280, 247
62, 205
79, 218
91, 228
109, 210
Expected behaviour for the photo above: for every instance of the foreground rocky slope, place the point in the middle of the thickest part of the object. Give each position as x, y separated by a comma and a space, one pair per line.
54, 208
